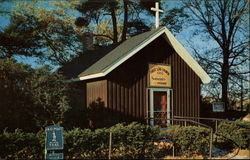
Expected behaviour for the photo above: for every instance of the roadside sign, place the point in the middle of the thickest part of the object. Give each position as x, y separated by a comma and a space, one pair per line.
54, 138
218, 107
54, 156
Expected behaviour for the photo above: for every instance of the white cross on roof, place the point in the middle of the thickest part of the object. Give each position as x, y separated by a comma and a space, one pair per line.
157, 10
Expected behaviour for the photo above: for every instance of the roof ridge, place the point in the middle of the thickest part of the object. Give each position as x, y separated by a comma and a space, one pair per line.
131, 46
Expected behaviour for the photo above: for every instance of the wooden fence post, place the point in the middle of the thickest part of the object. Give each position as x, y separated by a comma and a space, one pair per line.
211, 144
110, 144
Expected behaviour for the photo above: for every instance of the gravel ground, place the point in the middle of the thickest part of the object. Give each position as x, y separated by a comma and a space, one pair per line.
219, 154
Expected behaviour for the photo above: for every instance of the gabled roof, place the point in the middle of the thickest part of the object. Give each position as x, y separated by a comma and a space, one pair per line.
130, 47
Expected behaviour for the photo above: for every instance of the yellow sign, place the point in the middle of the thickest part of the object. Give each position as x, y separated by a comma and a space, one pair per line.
159, 75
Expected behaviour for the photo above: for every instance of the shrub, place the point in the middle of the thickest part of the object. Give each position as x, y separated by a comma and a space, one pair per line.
19, 144
77, 141
190, 139
135, 140
234, 134
131, 141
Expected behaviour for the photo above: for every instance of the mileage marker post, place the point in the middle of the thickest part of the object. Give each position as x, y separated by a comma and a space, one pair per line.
53, 141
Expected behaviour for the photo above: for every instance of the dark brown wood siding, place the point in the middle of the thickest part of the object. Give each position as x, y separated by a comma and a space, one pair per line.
127, 84
96, 90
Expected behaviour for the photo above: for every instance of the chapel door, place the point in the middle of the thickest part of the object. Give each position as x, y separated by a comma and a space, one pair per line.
159, 107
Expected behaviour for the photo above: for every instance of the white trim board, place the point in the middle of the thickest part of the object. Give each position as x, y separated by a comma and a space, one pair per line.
178, 47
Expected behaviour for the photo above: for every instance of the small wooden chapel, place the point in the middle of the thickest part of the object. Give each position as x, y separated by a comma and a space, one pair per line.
150, 77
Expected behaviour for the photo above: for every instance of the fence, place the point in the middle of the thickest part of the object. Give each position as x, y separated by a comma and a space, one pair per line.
210, 123
182, 119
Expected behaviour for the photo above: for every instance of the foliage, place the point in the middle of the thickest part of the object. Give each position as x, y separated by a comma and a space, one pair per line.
234, 135
31, 98
37, 30
113, 21
132, 141
174, 19
76, 115
78, 141
135, 140
14, 92
105, 18
50, 97
53, 30
19, 144
190, 139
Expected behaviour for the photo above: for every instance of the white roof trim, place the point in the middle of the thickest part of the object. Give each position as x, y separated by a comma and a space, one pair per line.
183, 53
178, 47
91, 76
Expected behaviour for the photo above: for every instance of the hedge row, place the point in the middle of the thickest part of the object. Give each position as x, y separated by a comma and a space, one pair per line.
131, 141
234, 135
22, 145
134, 141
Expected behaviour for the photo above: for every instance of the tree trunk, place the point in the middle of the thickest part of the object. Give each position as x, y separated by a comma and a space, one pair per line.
125, 20
224, 92
114, 21
224, 81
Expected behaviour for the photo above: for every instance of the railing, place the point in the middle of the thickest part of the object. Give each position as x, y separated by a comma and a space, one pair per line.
215, 120
186, 120
191, 121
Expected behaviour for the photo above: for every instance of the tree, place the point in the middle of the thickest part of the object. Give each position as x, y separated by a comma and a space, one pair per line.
20, 38
52, 33
174, 19
13, 93
48, 33
32, 98
114, 20
226, 22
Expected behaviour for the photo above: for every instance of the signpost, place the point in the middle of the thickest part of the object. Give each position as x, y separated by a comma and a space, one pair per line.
54, 141
218, 107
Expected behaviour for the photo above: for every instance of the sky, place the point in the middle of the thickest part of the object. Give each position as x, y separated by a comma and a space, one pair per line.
4, 19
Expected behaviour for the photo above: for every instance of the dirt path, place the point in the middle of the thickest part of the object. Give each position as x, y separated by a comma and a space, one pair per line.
236, 154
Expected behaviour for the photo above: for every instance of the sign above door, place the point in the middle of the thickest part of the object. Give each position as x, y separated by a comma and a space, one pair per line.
159, 75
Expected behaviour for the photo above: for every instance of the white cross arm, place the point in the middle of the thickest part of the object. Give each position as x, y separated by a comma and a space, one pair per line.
156, 10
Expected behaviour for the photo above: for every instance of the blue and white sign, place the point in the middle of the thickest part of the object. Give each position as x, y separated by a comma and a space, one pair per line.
54, 156
54, 138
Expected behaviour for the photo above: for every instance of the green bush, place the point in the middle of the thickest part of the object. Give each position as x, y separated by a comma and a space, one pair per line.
190, 139
20, 145
234, 135
131, 141
135, 140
